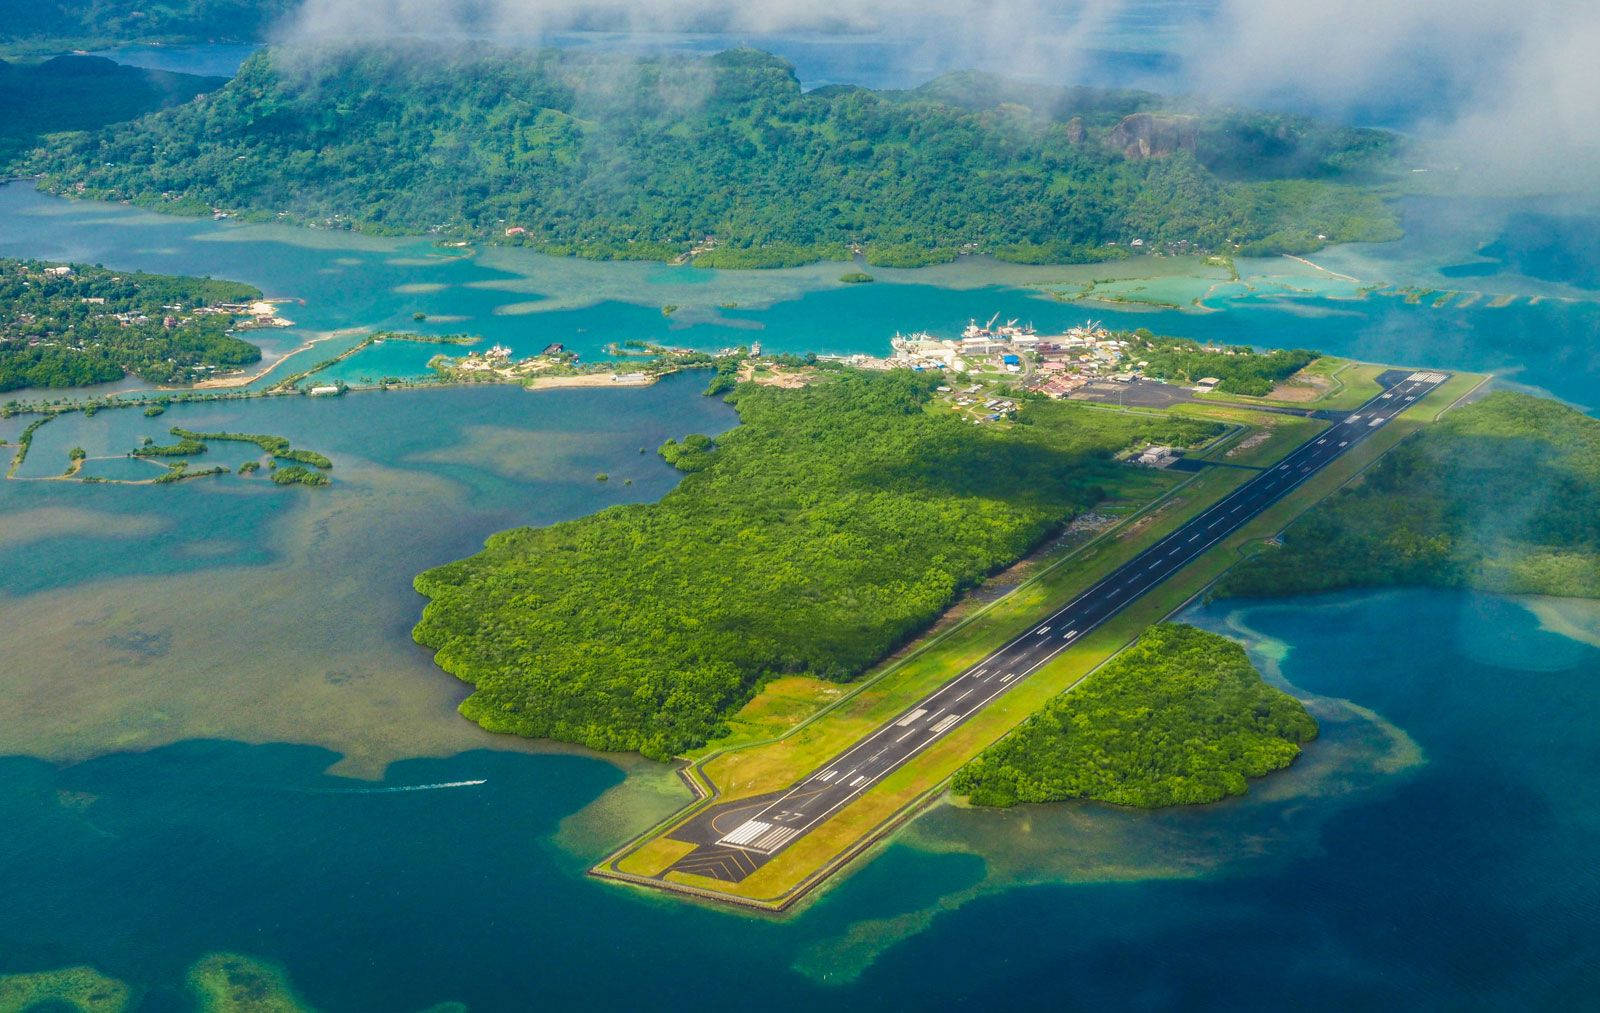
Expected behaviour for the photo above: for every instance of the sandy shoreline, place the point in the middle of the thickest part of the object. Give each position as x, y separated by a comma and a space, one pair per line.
590, 380
1324, 270
245, 379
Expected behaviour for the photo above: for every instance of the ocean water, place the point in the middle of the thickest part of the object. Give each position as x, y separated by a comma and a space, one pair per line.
1133, 44
343, 285
136, 616
218, 736
1451, 867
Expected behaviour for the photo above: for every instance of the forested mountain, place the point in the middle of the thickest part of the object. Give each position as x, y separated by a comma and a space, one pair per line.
59, 23
609, 156
82, 93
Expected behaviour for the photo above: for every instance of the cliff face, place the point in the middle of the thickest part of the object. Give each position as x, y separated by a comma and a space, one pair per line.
1152, 135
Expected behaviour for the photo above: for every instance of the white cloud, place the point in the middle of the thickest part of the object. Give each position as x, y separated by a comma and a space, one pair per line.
1508, 88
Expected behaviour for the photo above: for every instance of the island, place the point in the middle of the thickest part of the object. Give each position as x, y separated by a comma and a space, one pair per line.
747, 171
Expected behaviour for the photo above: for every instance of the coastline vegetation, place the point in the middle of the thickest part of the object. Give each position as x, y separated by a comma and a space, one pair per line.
1180, 718
522, 147
185, 447
69, 325
1242, 369
25, 443
277, 446
835, 523
296, 475
180, 471
1500, 495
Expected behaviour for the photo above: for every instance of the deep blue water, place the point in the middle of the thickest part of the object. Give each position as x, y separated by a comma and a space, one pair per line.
1467, 881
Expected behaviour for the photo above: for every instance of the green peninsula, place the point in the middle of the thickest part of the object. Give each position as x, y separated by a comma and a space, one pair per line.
68, 325
727, 160
1501, 495
1180, 718
835, 523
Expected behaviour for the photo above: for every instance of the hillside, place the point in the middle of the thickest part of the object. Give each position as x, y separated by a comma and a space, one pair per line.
44, 25
1502, 495
609, 156
82, 93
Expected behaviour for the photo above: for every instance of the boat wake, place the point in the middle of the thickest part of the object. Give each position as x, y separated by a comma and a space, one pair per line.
398, 788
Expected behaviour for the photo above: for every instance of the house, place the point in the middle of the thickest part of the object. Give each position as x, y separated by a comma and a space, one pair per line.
1206, 384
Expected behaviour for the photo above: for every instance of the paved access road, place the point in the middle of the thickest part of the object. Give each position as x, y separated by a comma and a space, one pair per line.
738, 837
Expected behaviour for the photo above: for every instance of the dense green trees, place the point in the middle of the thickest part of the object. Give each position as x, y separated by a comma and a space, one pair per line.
82, 93
61, 23
296, 475
66, 326
605, 156
277, 446
1502, 495
832, 525
1181, 717
1242, 369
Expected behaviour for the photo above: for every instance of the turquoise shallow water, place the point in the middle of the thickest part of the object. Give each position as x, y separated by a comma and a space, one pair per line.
348, 283
183, 664
1464, 881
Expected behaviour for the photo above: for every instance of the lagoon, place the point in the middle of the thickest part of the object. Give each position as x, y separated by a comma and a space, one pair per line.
219, 736
1359, 301
1432, 852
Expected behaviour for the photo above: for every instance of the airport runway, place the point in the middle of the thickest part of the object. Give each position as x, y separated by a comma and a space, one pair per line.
736, 838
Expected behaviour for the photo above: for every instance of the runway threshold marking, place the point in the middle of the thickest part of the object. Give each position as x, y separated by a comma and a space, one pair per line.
767, 840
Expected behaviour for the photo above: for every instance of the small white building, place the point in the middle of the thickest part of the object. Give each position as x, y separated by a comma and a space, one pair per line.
1156, 457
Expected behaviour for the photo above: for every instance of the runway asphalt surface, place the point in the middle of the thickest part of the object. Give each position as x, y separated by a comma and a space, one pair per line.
738, 837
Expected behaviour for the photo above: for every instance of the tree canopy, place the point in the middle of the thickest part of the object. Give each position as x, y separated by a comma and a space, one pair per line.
833, 524
1181, 717
1501, 495
606, 155
67, 325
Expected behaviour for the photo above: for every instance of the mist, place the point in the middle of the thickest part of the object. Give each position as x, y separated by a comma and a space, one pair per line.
1501, 92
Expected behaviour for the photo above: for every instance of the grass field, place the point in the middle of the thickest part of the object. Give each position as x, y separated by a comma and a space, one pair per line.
796, 724
1348, 384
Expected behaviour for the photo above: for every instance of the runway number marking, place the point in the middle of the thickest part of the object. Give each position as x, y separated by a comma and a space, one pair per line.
767, 834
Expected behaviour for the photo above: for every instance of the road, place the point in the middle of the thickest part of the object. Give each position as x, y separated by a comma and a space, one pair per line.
737, 838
